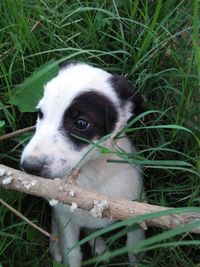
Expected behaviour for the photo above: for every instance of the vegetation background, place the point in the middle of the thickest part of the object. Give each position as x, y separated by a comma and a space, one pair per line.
155, 44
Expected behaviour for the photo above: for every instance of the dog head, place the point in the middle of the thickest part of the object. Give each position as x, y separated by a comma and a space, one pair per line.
80, 104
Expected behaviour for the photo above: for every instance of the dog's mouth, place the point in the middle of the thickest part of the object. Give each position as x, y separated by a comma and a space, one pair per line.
37, 169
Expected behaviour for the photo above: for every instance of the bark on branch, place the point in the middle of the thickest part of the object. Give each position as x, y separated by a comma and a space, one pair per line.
67, 192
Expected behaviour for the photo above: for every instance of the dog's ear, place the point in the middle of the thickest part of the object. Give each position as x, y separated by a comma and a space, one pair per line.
126, 93
66, 64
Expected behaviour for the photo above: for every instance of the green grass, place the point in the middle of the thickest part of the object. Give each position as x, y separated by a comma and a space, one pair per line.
155, 45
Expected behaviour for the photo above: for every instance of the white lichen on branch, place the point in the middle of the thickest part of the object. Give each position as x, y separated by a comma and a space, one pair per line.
26, 184
33, 182
7, 176
73, 207
53, 202
7, 180
99, 207
71, 193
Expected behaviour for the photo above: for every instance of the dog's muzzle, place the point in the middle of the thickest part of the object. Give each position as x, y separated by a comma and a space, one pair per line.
36, 166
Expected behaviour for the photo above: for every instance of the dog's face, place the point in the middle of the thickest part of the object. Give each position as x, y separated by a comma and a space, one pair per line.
80, 103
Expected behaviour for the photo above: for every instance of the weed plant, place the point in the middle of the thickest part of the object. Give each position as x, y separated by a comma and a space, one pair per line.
155, 45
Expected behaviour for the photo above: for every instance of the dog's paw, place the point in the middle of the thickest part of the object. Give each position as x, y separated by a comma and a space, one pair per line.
55, 251
98, 245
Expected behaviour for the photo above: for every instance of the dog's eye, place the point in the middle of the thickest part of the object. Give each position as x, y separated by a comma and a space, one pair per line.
40, 114
81, 124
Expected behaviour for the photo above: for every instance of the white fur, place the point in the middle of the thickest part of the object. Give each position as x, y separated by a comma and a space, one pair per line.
120, 180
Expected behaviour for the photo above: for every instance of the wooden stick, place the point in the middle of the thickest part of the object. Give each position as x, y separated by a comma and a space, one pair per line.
27, 220
16, 133
67, 192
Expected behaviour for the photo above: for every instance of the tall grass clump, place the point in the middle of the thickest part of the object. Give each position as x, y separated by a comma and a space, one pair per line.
155, 44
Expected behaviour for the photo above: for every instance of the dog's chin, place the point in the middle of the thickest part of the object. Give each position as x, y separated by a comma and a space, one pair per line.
49, 174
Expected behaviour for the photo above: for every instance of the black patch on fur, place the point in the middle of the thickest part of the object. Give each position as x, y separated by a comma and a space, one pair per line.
97, 110
126, 93
66, 64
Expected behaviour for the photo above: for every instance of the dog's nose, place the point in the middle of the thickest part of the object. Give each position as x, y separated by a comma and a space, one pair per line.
32, 166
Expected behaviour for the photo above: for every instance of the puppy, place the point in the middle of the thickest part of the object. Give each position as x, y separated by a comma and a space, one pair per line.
80, 106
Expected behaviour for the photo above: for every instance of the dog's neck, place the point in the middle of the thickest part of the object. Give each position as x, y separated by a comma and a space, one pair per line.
96, 173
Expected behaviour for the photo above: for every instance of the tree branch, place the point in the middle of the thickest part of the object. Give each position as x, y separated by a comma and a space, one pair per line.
67, 192
27, 220
16, 133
